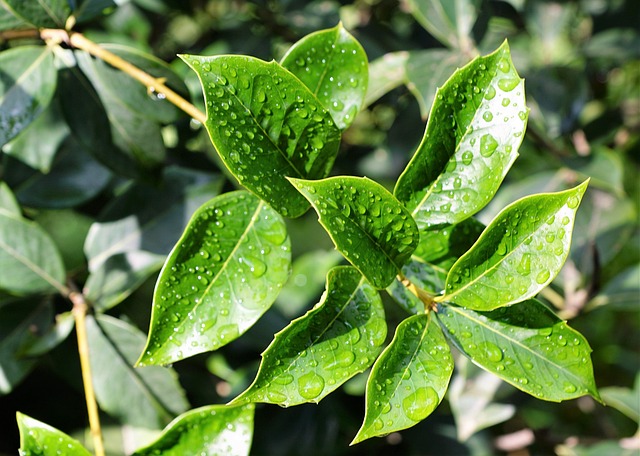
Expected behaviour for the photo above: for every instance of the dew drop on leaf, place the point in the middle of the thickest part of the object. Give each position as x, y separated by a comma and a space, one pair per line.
491, 93
508, 84
310, 385
467, 157
491, 351
418, 405
488, 145
543, 276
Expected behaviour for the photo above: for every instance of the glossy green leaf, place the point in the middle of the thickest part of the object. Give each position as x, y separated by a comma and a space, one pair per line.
133, 131
442, 246
333, 65
450, 21
149, 217
527, 346
472, 399
9, 21
440, 65
29, 260
18, 322
68, 230
424, 276
50, 337
8, 202
28, 146
408, 380
116, 278
75, 178
472, 138
366, 223
339, 338
518, 254
145, 397
385, 74
224, 273
27, 84
266, 125
38, 438
209, 430
41, 13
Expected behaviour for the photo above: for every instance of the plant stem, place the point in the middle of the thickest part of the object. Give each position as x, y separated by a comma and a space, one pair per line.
79, 311
79, 41
424, 296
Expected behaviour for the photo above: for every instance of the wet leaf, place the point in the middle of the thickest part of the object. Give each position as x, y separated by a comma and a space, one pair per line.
223, 274
472, 137
518, 254
527, 346
27, 84
339, 338
29, 260
366, 223
408, 380
333, 65
41, 13
209, 430
38, 438
442, 246
266, 125
145, 397
450, 21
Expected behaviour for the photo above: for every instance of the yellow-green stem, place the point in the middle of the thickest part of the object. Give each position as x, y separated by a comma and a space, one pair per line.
424, 296
79, 311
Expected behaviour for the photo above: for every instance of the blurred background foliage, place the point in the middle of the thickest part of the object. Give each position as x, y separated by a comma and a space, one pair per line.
581, 62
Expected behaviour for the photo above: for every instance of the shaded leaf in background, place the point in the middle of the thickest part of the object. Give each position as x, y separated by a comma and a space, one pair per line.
527, 346
266, 125
147, 217
210, 430
223, 274
144, 397
622, 291
116, 278
9, 21
29, 260
19, 322
29, 147
38, 438
8, 201
518, 254
27, 84
48, 338
408, 380
316, 353
474, 130
471, 397
86, 10
41, 13
75, 178
334, 66
625, 400
385, 74
366, 223
450, 21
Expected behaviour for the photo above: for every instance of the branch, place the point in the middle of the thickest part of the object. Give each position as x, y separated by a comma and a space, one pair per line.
79, 41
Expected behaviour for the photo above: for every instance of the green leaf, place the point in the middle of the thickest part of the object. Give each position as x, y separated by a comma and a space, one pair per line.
471, 398
29, 146
333, 65
18, 321
145, 397
149, 218
527, 346
115, 279
408, 380
366, 223
49, 338
134, 132
475, 128
450, 21
339, 338
8, 201
224, 273
518, 254
9, 21
29, 260
38, 438
41, 13
625, 400
441, 63
266, 125
425, 277
211, 430
74, 179
27, 85
385, 74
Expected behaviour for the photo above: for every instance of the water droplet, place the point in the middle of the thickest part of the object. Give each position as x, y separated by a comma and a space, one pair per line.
488, 145
543, 276
310, 385
565, 220
503, 65
505, 102
467, 157
283, 379
491, 93
487, 116
418, 405
343, 360
276, 396
569, 388
508, 84
573, 202
491, 351
524, 267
